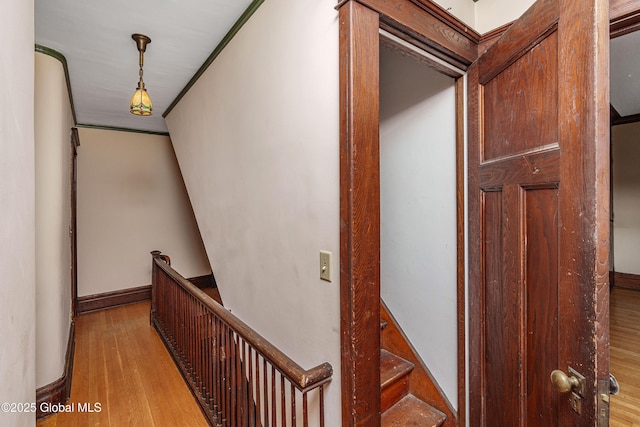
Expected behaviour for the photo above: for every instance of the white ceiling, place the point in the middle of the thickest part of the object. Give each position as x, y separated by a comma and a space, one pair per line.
95, 38
625, 74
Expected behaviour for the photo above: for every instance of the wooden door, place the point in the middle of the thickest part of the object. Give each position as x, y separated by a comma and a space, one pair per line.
538, 219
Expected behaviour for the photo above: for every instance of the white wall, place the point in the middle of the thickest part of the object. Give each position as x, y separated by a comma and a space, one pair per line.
464, 10
418, 210
491, 14
131, 200
53, 122
257, 139
17, 211
625, 143
485, 15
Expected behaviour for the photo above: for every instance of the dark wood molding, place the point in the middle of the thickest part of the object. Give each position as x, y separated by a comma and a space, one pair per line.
489, 38
422, 384
624, 16
106, 300
615, 121
460, 248
429, 27
58, 391
359, 215
120, 297
625, 280
60, 57
614, 114
118, 129
475, 289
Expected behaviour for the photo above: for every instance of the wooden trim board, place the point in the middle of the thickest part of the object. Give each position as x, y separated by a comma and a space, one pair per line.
117, 298
58, 391
625, 280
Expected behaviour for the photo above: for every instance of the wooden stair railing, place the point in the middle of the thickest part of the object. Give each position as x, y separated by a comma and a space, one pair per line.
237, 376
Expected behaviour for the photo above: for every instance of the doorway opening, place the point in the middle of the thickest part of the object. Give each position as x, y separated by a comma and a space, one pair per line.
418, 208
625, 229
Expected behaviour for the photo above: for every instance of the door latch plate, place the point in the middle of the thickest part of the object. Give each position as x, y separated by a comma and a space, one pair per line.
576, 403
580, 388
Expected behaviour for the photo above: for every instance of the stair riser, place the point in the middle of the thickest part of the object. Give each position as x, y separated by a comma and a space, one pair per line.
393, 393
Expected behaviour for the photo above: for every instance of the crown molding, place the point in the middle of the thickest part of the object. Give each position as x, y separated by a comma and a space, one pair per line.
60, 57
119, 129
225, 41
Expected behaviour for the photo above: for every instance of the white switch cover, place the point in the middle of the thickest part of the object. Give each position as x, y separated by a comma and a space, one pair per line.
325, 265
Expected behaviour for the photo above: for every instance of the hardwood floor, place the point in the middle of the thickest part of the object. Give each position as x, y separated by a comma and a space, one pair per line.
625, 356
121, 364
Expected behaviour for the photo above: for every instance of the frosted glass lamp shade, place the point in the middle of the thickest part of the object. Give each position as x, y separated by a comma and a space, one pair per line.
141, 103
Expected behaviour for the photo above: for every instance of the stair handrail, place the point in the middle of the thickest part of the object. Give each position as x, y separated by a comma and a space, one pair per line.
303, 380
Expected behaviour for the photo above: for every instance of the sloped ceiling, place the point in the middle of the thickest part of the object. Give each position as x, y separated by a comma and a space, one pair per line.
625, 74
95, 38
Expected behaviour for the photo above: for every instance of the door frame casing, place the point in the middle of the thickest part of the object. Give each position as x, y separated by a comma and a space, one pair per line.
73, 226
422, 24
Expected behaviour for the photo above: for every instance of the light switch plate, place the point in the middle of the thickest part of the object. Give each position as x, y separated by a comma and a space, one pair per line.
325, 265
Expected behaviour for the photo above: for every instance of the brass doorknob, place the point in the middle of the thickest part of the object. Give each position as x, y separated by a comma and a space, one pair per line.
563, 382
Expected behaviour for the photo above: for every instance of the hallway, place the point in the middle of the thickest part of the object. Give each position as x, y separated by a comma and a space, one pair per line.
121, 364
625, 356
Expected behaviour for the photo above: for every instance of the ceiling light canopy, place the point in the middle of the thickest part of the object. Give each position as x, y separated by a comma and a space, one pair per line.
140, 101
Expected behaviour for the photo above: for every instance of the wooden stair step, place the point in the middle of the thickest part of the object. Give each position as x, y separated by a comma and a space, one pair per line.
411, 411
394, 378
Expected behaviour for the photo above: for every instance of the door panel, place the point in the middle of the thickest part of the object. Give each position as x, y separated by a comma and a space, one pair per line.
507, 136
541, 301
538, 210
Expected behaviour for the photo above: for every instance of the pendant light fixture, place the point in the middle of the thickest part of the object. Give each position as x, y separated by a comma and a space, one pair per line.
140, 101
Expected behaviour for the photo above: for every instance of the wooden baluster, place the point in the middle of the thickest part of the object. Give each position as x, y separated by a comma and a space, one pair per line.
193, 342
218, 376
265, 381
236, 398
222, 366
251, 414
197, 339
283, 402
321, 391
305, 413
293, 406
243, 406
211, 360
258, 389
206, 357
225, 378
273, 397
180, 325
196, 343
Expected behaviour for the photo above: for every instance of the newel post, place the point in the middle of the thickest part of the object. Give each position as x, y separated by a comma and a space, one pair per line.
155, 279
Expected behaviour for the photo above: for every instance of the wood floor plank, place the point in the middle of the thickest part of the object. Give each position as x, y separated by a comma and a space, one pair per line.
121, 364
625, 356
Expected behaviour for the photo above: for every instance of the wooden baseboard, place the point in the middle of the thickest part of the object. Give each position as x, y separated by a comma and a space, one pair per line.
57, 393
106, 300
625, 280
